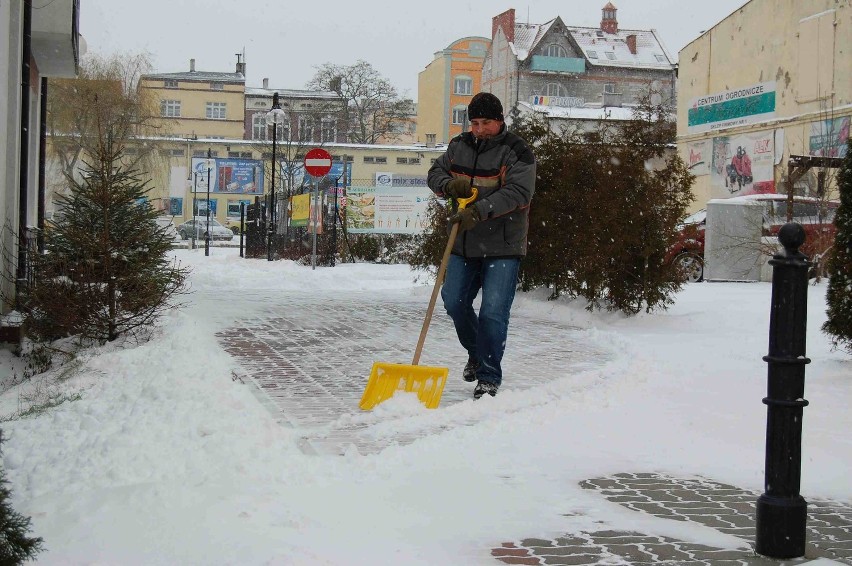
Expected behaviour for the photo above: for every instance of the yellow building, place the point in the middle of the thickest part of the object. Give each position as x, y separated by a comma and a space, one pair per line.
768, 82
200, 104
445, 87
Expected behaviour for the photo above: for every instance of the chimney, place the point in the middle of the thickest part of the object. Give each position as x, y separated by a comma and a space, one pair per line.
506, 22
265, 82
609, 23
192, 65
241, 66
631, 43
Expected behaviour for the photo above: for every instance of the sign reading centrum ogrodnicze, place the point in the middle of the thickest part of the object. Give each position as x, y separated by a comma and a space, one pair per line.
731, 108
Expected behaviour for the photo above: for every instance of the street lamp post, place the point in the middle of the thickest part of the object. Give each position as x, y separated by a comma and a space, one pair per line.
274, 118
194, 206
207, 231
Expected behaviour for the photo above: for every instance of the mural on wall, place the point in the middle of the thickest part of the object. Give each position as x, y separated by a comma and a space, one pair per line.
730, 108
743, 164
698, 157
829, 137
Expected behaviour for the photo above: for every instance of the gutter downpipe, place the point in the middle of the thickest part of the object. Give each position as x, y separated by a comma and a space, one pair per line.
42, 164
26, 56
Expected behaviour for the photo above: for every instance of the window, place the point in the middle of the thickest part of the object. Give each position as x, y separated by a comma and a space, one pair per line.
233, 154
203, 153
368, 159
177, 152
459, 114
216, 110
609, 88
660, 58
170, 83
216, 85
554, 50
592, 54
463, 85
245, 154
401, 160
306, 128
258, 126
610, 55
381, 160
414, 161
555, 89
329, 130
170, 108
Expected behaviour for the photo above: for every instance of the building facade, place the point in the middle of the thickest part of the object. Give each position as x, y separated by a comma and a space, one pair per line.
445, 87
781, 88
539, 67
311, 117
202, 104
39, 43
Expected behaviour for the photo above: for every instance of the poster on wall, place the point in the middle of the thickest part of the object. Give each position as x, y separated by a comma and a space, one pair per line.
697, 157
829, 137
730, 108
387, 210
242, 176
743, 164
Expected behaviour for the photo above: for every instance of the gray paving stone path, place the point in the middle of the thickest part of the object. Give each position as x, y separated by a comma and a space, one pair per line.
310, 359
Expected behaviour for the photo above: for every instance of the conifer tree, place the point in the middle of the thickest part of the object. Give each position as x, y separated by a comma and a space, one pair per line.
106, 270
839, 292
15, 546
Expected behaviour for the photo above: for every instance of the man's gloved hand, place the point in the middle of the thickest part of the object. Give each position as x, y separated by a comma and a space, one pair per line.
466, 218
458, 188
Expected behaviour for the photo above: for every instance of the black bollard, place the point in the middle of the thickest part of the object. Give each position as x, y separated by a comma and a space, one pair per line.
781, 511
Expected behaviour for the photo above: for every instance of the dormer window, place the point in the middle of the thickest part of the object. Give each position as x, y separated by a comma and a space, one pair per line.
592, 54
170, 83
555, 50
660, 58
610, 55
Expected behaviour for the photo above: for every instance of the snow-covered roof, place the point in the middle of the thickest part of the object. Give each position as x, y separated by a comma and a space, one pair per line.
650, 51
579, 112
291, 93
198, 76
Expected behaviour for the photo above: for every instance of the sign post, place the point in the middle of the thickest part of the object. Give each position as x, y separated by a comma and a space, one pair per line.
317, 164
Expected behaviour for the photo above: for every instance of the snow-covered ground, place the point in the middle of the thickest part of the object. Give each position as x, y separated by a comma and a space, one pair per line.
155, 455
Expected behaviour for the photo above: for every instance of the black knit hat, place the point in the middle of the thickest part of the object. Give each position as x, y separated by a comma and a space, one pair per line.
485, 105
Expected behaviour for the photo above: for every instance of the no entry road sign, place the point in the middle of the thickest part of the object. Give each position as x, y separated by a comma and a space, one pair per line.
318, 162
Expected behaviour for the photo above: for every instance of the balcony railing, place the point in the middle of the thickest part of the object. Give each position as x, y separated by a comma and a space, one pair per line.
546, 64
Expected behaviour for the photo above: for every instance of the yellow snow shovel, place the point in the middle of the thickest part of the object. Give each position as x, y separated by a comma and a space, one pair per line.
428, 382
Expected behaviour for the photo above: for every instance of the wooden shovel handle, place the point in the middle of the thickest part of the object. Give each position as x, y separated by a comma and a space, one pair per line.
439, 279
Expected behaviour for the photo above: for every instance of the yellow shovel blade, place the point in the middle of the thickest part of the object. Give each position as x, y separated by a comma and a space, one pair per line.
386, 379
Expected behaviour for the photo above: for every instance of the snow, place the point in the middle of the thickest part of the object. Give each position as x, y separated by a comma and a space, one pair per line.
159, 456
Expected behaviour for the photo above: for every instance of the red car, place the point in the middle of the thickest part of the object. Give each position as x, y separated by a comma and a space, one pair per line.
815, 216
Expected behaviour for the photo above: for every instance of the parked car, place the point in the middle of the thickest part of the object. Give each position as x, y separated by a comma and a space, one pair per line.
197, 226
815, 216
167, 224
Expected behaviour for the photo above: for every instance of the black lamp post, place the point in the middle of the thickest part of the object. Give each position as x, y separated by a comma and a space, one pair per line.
194, 207
274, 118
207, 231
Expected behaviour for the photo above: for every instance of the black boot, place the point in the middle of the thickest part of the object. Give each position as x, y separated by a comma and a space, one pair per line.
484, 387
469, 372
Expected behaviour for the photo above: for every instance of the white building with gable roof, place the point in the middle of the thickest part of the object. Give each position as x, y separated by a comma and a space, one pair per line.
575, 73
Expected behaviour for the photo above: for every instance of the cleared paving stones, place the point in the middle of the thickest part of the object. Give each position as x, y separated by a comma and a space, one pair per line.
725, 508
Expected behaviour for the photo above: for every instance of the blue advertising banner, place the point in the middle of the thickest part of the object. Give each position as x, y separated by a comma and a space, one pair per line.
301, 178
234, 176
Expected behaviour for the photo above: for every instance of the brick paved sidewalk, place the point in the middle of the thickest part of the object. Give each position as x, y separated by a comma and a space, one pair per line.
311, 370
728, 509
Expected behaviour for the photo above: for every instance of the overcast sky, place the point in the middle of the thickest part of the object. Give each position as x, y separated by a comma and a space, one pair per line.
286, 40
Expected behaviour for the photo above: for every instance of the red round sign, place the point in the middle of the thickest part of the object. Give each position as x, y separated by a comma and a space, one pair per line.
318, 162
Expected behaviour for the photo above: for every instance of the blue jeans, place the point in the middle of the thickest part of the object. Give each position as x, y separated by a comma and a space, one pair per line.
482, 335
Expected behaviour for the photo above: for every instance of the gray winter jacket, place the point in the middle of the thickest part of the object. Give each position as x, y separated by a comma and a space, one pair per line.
503, 171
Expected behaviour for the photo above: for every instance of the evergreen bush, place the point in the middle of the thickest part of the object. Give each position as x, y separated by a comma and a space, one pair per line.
15, 546
839, 293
